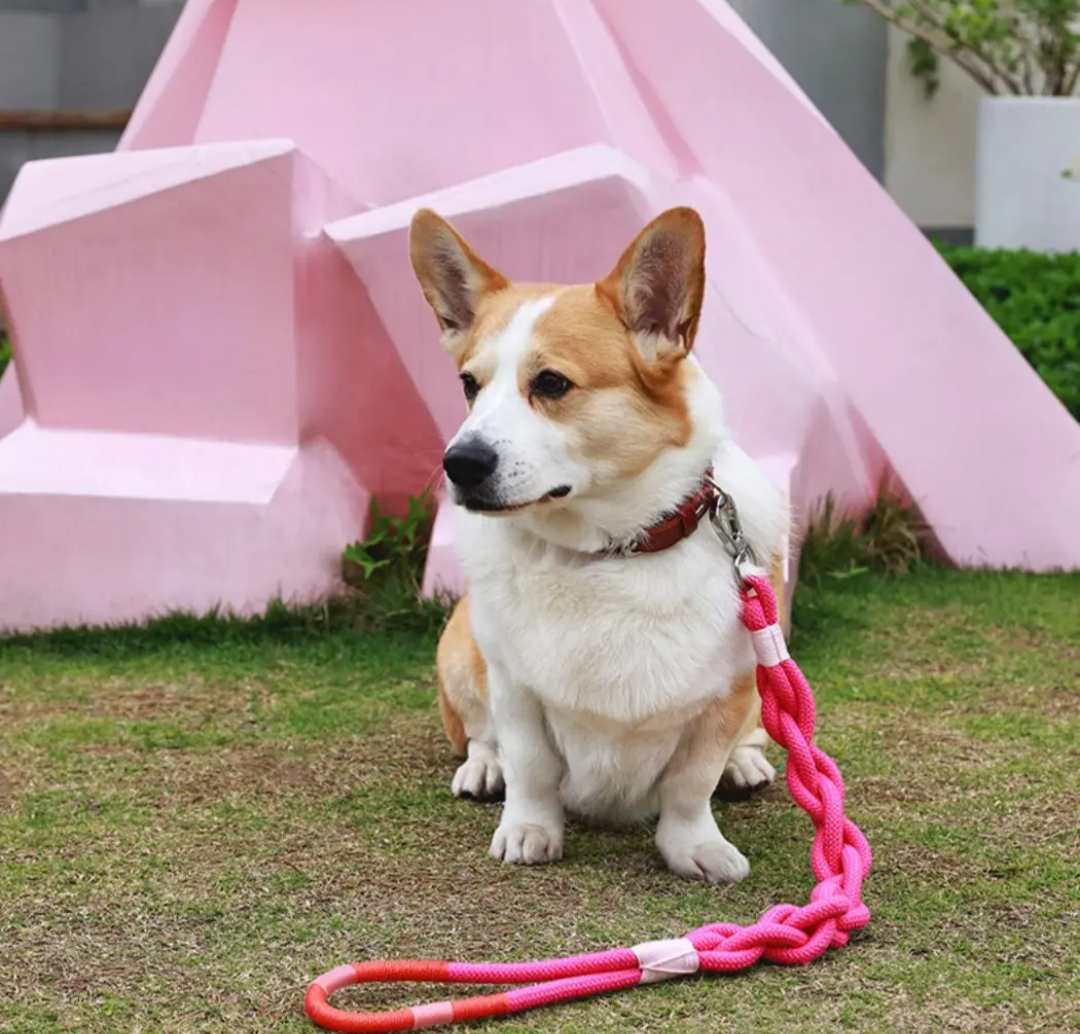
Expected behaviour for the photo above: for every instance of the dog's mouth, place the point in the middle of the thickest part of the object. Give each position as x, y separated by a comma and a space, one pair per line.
481, 504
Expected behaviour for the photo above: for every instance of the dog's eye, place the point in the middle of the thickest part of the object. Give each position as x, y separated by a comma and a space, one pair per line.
550, 385
472, 389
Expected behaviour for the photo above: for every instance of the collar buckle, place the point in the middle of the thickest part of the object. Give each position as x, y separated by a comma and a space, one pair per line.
724, 518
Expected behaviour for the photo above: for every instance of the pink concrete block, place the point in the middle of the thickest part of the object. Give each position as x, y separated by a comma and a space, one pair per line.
11, 407
211, 399
443, 574
105, 267
102, 528
172, 103
355, 390
220, 346
282, 73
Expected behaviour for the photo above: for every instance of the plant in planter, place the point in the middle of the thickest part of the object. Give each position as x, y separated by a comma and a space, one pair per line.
1025, 55
1019, 48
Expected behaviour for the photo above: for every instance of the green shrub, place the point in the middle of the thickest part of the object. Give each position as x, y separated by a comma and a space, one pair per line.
1012, 48
5, 352
1035, 299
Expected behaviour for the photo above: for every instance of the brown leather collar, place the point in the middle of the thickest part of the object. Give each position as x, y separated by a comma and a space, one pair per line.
680, 524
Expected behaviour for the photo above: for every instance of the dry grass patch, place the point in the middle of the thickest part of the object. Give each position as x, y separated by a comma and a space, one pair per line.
189, 831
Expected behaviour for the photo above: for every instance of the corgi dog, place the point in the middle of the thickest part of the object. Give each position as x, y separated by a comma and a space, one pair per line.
597, 665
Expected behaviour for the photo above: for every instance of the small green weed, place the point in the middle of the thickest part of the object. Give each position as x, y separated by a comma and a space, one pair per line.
386, 569
890, 537
394, 545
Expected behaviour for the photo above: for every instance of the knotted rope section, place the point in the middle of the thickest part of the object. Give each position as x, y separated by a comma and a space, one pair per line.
786, 934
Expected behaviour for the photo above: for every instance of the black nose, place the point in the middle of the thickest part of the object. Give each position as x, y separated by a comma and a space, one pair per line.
468, 464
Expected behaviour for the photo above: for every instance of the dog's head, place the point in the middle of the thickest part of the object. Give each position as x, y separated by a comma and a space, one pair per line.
569, 389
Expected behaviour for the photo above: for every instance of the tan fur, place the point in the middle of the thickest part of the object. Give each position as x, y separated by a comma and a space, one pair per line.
462, 676
455, 729
579, 339
723, 725
615, 387
494, 310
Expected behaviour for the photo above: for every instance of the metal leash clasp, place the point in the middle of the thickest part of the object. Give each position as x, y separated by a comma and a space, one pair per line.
724, 517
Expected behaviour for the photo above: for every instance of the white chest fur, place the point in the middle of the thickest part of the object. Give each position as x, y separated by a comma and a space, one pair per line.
624, 640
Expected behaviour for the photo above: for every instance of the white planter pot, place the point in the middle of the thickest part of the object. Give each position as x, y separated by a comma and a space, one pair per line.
1022, 200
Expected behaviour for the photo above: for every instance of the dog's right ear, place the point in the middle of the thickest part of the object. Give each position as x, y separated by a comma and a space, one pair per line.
452, 276
657, 287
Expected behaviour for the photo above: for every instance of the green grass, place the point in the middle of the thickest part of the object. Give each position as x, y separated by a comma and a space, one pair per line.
198, 817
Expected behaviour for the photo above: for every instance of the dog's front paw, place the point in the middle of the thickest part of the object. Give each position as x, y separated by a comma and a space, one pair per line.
747, 771
713, 861
480, 778
520, 843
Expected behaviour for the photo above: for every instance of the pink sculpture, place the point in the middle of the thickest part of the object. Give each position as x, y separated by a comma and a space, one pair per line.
221, 354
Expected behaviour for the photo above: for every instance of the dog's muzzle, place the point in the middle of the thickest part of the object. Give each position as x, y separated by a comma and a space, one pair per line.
470, 463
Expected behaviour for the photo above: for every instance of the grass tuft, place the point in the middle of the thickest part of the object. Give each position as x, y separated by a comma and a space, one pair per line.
891, 537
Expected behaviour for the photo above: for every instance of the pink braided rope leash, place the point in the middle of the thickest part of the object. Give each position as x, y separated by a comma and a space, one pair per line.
840, 859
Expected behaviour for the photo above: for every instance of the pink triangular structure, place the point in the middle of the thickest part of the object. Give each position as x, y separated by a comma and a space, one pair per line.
222, 354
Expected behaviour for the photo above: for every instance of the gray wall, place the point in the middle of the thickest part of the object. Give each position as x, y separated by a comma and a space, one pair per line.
77, 6
74, 55
107, 55
838, 54
29, 60
44, 6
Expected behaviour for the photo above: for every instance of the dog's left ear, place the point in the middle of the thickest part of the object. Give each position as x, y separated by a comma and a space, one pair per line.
657, 287
452, 276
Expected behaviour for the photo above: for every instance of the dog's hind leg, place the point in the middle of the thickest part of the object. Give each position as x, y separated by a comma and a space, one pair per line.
463, 703
747, 769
